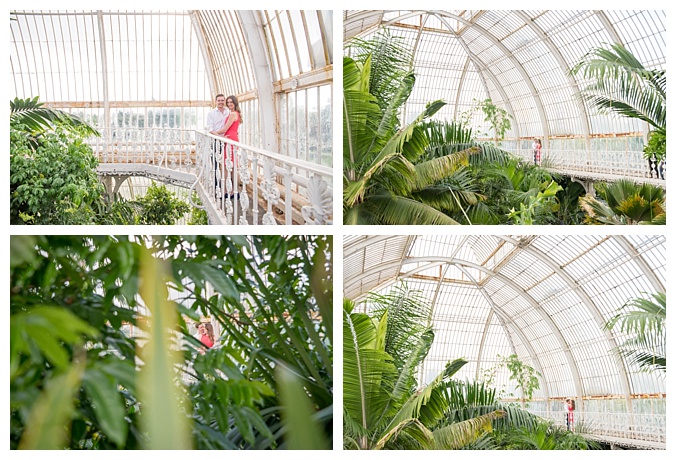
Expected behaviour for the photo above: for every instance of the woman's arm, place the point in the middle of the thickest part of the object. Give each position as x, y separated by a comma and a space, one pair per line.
231, 119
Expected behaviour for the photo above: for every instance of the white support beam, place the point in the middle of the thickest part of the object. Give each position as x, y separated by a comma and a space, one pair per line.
255, 42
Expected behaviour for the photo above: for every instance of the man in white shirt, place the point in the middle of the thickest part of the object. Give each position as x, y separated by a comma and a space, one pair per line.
216, 118
215, 121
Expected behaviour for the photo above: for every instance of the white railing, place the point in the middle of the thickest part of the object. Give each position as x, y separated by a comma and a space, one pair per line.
624, 163
640, 427
164, 147
253, 186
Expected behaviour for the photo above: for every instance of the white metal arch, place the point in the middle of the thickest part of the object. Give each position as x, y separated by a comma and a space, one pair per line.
429, 261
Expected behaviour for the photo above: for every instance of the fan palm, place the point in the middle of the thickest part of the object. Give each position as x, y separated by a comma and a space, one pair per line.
624, 202
645, 320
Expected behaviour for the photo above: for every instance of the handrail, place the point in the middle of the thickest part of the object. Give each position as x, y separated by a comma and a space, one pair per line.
298, 190
316, 168
621, 163
650, 427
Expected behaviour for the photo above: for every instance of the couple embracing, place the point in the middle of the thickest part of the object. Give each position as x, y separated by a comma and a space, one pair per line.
225, 119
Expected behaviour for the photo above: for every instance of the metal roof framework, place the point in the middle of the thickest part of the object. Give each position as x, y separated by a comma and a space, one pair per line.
111, 62
519, 59
544, 298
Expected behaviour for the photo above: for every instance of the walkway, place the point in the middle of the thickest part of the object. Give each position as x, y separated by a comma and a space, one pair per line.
637, 431
264, 187
606, 166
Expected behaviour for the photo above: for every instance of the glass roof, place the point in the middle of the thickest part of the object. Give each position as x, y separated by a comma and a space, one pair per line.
544, 298
132, 65
158, 55
519, 59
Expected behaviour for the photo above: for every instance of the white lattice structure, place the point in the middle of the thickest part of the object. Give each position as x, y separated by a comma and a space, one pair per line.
545, 298
147, 80
522, 61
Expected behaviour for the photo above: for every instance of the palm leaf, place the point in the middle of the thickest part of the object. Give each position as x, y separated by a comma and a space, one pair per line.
645, 321
38, 118
367, 371
622, 85
437, 169
460, 434
397, 210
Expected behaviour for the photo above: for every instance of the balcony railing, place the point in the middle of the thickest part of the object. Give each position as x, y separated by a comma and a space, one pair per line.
616, 425
620, 163
236, 183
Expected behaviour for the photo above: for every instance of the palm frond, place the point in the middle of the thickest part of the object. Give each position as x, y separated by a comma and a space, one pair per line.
397, 210
367, 371
620, 84
644, 320
440, 168
38, 118
460, 434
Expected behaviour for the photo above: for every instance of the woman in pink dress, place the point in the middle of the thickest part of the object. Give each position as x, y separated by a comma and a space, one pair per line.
206, 331
230, 128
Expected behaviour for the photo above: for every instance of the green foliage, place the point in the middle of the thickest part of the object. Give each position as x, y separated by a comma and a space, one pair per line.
621, 85
384, 165
645, 321
198, 216
625, 203
656, 146
36, 119
66, 314
525, 377
505, 184
542, 435
526, 213
75, 317
497, 117
383, 408
161, 206
55, 183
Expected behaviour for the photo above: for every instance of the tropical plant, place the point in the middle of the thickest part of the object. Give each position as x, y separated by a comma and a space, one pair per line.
382, 160
53, 182
527, 379
621, 85
92, 342
505, 183
645, 321
383, 406
526, 213
540, 435
198, 216
624, 202
36, 119
497, 118
656, 147
161, 206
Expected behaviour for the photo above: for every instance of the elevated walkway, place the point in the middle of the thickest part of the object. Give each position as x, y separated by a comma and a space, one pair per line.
248, 186
607, 166
622, 430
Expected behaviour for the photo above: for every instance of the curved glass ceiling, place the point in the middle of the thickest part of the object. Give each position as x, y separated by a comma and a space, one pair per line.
544, 298
519, 59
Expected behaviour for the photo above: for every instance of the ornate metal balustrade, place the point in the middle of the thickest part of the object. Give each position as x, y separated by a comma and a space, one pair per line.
236, 183
623, 163
640, 430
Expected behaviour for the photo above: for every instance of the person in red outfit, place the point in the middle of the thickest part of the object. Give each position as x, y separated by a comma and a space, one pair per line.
230, 129
570, 420
206, 331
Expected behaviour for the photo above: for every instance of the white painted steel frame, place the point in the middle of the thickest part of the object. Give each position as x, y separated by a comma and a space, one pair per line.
551, 276
498, 47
